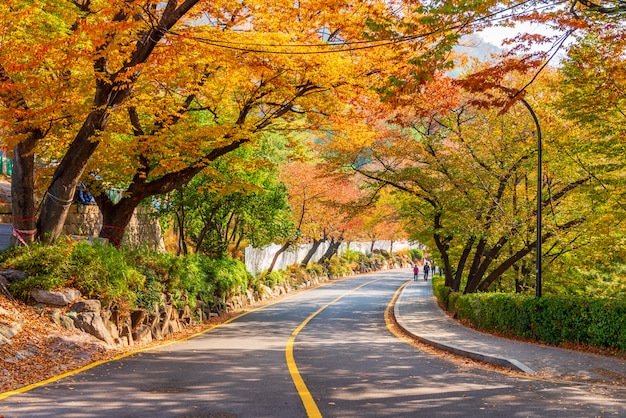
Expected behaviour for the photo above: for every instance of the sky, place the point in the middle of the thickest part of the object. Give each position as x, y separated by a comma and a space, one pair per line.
495, 35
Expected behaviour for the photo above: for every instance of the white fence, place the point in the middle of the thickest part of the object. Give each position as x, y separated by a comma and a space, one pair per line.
260, 259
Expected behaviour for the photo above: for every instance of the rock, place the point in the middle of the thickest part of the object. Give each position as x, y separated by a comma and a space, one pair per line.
186, 317
138, 317
89, 305
206, 312
4, 287
156, 333
142, 334
265, 292
55, 316
112, 328
170, 322
67, 322
252, 297
60, 298
155, 324
199, 312
91, 322
13, 275
7, 331
126, 332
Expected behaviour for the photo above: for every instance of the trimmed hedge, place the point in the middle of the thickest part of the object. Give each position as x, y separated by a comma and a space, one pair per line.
551, 319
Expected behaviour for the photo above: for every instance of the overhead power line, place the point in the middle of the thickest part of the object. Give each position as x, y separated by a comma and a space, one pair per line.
347, 46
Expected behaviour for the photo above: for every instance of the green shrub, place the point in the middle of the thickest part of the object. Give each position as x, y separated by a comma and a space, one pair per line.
314, 269
340, 267
608, 328
46, 267
351, 256
193, 282
125, 278
296, 275
229, 276
104, 272
415, 254
453, 297
96, 270
274, 278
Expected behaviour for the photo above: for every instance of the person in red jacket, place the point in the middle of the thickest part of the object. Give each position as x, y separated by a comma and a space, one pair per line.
416, 271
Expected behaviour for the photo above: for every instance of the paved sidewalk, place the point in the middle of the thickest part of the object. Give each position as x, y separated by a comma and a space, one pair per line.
418, 313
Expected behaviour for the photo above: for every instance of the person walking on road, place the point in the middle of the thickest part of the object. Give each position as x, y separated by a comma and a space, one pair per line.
416, 271
426, 271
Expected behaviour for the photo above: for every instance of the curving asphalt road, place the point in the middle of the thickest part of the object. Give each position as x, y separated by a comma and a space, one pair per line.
323, 352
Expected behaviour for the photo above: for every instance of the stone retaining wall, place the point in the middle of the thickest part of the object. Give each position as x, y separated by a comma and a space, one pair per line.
85, 221
5, 213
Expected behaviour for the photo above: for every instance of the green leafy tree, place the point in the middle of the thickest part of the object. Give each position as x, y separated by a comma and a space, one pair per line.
240, 201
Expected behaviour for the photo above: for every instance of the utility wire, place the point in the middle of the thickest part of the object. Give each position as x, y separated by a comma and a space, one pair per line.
337, 47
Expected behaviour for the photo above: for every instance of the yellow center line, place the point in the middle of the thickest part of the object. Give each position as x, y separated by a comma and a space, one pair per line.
310, 406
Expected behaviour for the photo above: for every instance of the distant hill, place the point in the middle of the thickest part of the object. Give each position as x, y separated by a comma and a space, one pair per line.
475, 47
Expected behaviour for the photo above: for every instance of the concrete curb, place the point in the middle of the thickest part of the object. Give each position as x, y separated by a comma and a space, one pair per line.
483, 357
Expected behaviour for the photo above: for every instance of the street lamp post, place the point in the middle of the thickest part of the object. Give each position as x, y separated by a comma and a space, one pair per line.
539, 199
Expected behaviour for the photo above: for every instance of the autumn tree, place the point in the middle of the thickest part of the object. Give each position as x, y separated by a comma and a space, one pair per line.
381, 220
593, 100
78, 62
321, 206
466, 177
240, 95
133, 76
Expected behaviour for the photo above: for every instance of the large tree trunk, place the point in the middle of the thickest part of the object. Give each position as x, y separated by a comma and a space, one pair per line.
115, 217
22, 177
114, 224
442, 244
332, 250
458, 275
447, 266
509, 262
309, 255
60, 193
278, 253
23, 189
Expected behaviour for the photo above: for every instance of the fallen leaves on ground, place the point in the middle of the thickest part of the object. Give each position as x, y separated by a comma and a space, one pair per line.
43, 349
